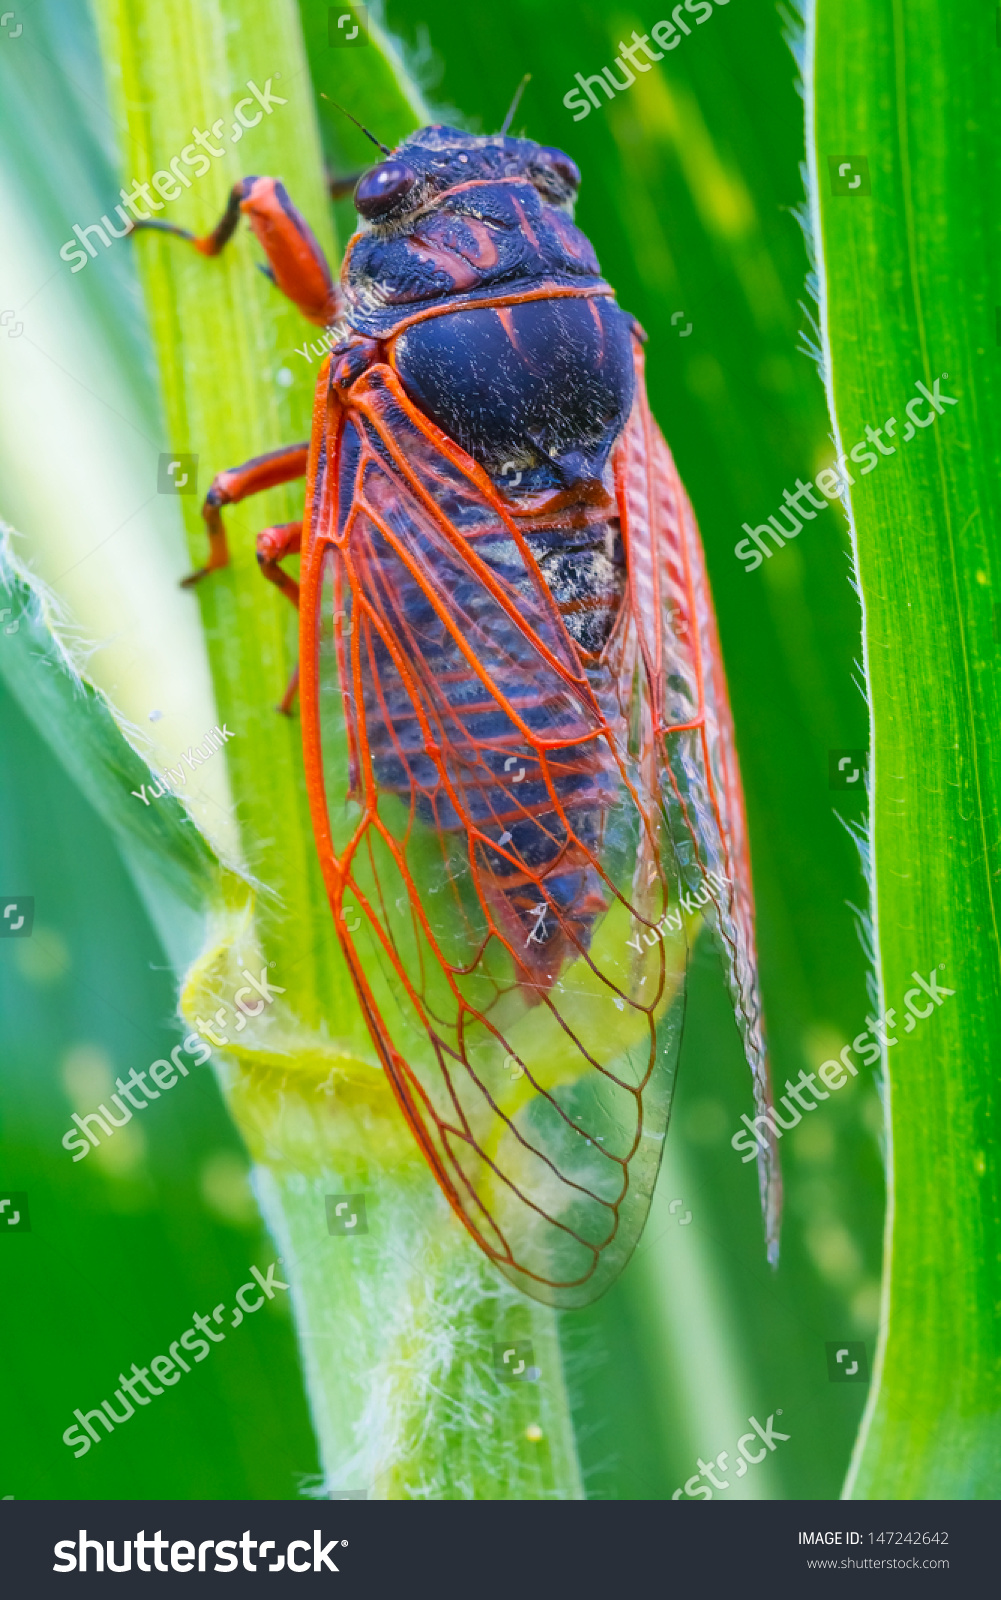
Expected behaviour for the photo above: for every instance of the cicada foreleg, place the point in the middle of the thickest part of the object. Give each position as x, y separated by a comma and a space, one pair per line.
296, 264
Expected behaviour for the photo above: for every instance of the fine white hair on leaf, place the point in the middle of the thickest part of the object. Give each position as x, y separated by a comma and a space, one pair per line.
799, 23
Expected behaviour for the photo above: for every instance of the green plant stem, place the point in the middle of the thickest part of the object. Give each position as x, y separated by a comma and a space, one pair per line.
399, 1356
401, 1327
909, 286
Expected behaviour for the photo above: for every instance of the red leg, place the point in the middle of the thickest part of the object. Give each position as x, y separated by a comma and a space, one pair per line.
273, 545
228, 488
296, 264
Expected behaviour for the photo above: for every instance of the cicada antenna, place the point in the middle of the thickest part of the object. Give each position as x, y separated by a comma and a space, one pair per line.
514, 103
377, 142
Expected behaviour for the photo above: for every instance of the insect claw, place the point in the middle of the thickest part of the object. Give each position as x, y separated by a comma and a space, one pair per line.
195, 577
151, 225
284, 707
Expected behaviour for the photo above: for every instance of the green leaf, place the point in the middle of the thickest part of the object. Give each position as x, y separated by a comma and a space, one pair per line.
909, 288
180, 873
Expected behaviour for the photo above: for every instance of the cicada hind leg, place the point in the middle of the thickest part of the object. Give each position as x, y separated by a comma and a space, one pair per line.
273, 543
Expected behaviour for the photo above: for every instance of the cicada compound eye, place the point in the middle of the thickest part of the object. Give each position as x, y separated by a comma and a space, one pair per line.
562, 165
381, 190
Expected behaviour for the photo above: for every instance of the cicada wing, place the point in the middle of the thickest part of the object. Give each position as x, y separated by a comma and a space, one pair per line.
673, 614
492, 857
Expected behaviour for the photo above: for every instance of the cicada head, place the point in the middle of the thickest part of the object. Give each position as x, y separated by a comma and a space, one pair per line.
434, 161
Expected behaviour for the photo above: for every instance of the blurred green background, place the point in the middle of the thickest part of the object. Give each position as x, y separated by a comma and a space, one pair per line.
691, 180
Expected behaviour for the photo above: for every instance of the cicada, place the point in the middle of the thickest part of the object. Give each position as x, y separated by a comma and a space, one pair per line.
516, 733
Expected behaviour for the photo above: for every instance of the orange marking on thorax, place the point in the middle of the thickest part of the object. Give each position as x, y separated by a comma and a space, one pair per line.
572, 245
462, 275
506, 321
483, 252
525, 224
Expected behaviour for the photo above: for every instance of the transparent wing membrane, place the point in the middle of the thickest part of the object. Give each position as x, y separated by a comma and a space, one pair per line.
698, 771
496, 850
